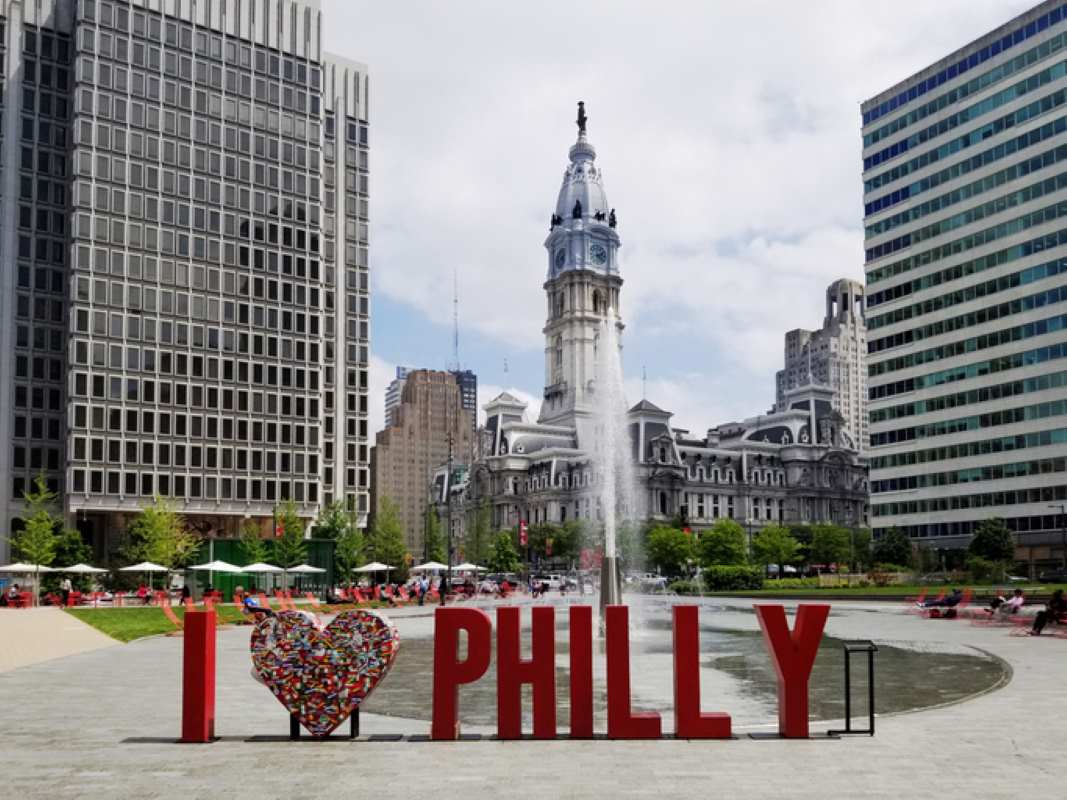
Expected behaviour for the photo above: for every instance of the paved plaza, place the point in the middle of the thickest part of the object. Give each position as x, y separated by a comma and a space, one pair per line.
33, 635
102, 723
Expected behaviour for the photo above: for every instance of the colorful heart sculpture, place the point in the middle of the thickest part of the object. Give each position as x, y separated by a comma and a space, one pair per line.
322, 674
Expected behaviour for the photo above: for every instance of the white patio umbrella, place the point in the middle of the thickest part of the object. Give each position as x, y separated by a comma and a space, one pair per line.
218, 566
299, 569
305, 569
261, 568
429, 566
467, 567
81, 569
22, 568
147, 567
374, 566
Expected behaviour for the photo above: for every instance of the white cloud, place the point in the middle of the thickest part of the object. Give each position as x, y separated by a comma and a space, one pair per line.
729, 139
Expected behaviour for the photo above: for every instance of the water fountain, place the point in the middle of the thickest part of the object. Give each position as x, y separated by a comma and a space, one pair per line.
614, 459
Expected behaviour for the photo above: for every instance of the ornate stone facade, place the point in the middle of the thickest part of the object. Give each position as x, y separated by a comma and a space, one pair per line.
797, 464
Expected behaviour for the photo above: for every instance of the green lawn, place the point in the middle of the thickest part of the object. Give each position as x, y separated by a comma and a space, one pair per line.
127, 624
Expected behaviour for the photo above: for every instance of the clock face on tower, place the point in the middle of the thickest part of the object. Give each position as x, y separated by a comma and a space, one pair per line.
561, 256
598, 254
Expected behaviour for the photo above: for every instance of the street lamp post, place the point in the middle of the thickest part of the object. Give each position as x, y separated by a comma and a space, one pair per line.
448, 517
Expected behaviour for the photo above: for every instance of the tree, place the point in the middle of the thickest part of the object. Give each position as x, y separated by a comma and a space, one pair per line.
70, 549
894, 547
349, 552
254, 548
434, 546
290, 548
36, 543
158, 534
861, 549
504, 557
333, 521
993, 541
670, 549
540, 535
829, 545
476, 542
387, 538
723, 543
630, 543
775, 545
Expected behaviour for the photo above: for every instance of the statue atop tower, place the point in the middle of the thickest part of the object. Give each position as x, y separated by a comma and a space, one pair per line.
582, 118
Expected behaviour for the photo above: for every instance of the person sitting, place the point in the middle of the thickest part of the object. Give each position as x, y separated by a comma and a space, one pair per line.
11, 596
950, 601
1006, 606
1055, 611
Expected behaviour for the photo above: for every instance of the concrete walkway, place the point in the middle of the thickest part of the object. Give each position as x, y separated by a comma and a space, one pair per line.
31, 635
103, 723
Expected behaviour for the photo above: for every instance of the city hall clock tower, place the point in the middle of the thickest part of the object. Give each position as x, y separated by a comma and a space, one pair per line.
582, 288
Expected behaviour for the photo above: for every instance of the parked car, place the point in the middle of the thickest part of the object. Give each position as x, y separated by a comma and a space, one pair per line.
1053, 576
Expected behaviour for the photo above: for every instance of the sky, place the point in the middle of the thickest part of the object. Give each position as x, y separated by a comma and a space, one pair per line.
729, 138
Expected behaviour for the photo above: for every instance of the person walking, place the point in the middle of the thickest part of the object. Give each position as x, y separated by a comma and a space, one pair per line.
66, 587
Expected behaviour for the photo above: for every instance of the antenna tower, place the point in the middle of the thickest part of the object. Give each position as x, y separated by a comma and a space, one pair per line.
455, 320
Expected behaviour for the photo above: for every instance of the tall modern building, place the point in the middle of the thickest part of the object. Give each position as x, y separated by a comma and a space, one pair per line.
429, 424
468, 394
184, 308
393, 393
965, 192
834, 356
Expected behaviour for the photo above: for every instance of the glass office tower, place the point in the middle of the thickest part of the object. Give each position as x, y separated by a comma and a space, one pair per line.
965, 193
185, 290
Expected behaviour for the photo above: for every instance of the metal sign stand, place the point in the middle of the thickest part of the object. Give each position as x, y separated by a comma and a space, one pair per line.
353, 726
870, 648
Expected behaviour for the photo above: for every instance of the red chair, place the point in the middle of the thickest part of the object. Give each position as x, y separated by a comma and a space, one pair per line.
378, 593
168, 612
25, 600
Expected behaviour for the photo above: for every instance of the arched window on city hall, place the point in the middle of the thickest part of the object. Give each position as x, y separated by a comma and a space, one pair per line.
558, 358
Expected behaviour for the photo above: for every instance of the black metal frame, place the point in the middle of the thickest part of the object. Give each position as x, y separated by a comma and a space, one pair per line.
294, 726
870, 648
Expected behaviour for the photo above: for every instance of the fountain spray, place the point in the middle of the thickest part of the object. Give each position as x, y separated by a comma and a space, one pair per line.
614, 459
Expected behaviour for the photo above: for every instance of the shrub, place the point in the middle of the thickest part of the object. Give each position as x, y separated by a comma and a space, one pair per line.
684, 587
729, 578
791, 583
984, 570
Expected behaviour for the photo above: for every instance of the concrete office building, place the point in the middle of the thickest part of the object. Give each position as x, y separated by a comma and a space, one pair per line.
965, 192
834, 356
185, 312
430, 422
